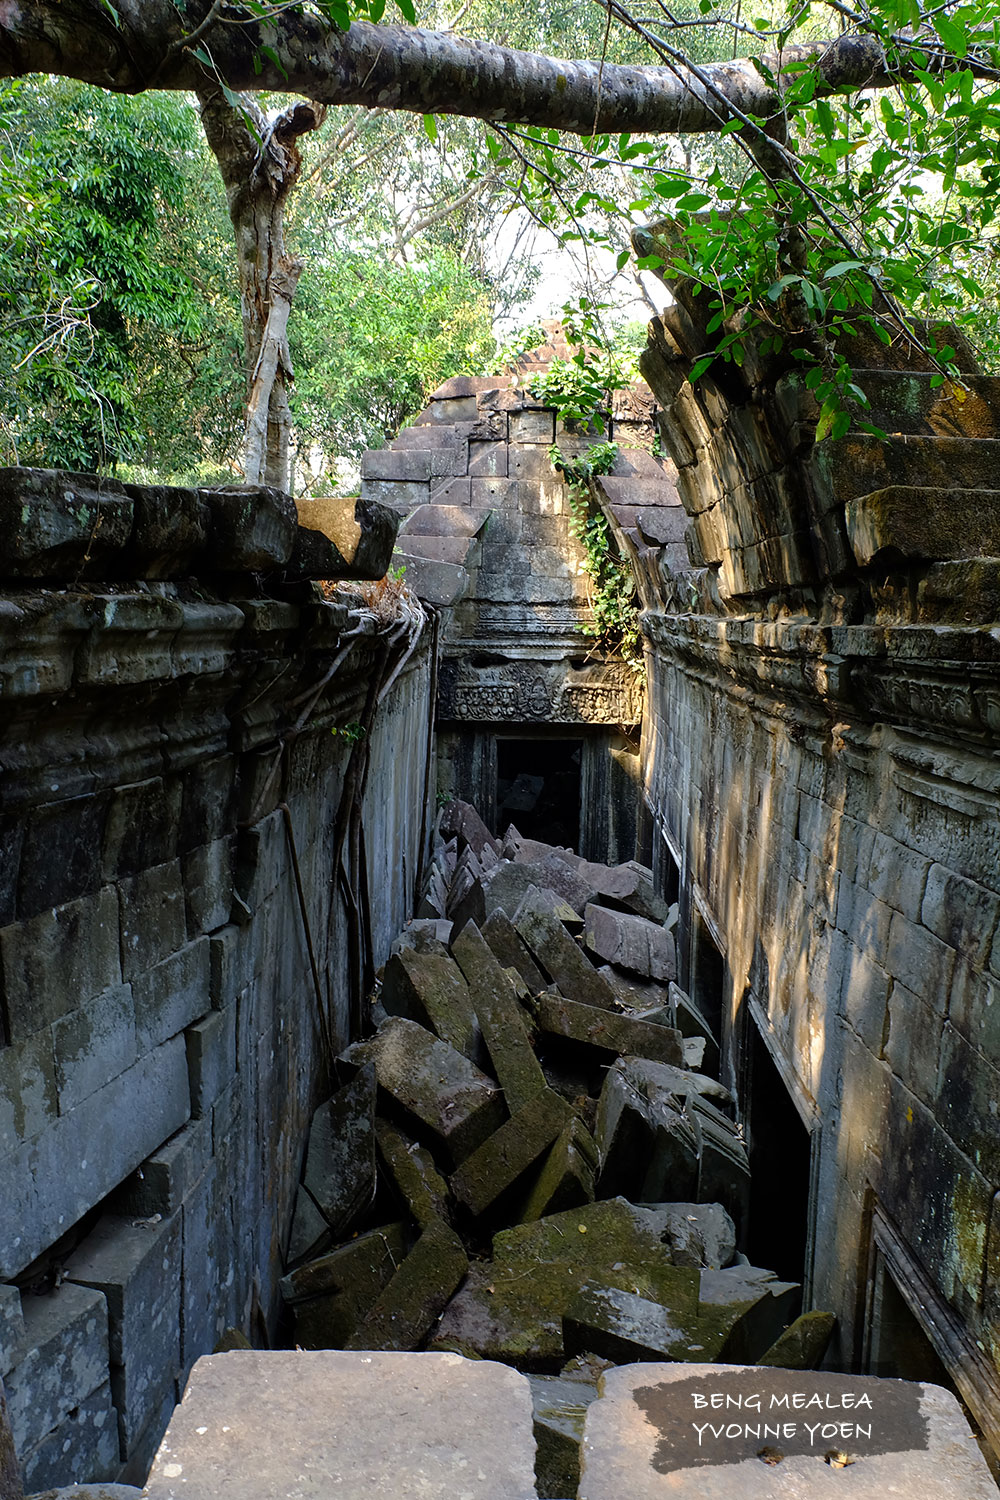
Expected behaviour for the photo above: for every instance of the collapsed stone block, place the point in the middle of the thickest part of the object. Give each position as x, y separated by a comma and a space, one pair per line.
803, 1343
624, 1327
365, 1425
425, 935
512, 1309
748, 1309
460, 819
85, 1442
411, 1169
435, 1085
558, 956
608, 1031
632, 943
418, 1293
13, 1337
330, 1296
698, 1234
339, 1171
650, 1142
646, 998
501, 1160
501, 1019
691, 1023
429, 988
567, 1177
723, 1165
511, 953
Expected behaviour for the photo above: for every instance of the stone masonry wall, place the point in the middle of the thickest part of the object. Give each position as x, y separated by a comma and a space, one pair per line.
170, 752
820, 762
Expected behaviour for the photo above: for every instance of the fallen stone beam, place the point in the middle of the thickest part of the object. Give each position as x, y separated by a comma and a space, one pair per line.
501, 1018
607, 1030
404, 1313
516, 1146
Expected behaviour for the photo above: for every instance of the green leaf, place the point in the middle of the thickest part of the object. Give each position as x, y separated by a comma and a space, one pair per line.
430, 127
700, 366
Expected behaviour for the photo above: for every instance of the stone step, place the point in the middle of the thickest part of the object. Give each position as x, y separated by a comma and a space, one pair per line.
443, 520
859, 464
904, 401
917, 523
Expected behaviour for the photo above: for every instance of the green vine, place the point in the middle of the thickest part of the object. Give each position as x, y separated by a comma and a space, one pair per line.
616, 612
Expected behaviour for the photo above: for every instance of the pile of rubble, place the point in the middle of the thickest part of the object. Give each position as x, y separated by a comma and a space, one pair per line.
524, 1163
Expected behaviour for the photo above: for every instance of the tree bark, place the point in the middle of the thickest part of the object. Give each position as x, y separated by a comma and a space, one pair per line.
260, 165
393, 67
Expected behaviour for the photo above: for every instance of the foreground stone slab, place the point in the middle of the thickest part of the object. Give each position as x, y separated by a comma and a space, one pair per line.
263, 1425
640, 1440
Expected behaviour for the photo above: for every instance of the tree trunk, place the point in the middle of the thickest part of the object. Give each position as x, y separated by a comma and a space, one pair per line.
260, 165
10, 1474
143, 45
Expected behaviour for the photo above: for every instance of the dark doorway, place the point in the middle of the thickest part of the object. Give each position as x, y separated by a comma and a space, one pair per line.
900, 1349
708, 968
779, 1148
538, 789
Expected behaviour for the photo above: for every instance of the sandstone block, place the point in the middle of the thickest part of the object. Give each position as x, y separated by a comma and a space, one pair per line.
935, 524
566, 1180
211, 1056
28, 1090
510, 1151
411, 1168
172, 994
137, 1267
424, 935
444, 1092
61, 525
803, 1343
501, 1019
58, 959
418, 1293
13, 1337
339, 1169
750, 1309
632, 943
460, 819
417, 1427
607, 1030
153, 919
557, 954
66, 1360
701, 1235
251, 528
511, 953
85, 1442
639, 1441
623, 1327
164, 1180
559, 1404
331, 1296
93, 1044
429, 988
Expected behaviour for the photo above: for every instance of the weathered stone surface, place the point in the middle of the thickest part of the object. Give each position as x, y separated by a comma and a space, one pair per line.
635, 1434
91, 1492
803, 1343
511, 953
137, 1266
10, 1477
460, 819
632, 943
642, 997
607, 1030
648, 1136
424, 935
698, 1234
251, 528
85, 1442
12, 1332
403, 1314
750, 1309
309, 1233
330, 1296
339, 1171
65, 1362
439, 1087
416, 1427
61, 525
909, 522
501, 1019
440, 583
513, 1308
566, 1179
510, 1151
623, 1327
429, 988
691, 1023
559, 957
411, 1168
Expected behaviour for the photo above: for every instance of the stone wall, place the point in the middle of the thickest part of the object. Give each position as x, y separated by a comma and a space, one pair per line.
820, 765
174, 756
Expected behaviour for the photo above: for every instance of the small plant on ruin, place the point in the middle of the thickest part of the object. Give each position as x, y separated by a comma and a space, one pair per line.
616, 611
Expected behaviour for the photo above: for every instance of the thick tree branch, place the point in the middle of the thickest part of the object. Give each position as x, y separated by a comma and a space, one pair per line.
395, 67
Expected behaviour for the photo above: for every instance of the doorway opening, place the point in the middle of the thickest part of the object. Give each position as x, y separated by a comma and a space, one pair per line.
779, 1150
538, 789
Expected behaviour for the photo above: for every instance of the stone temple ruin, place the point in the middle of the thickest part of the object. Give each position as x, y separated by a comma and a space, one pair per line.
682, 1053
